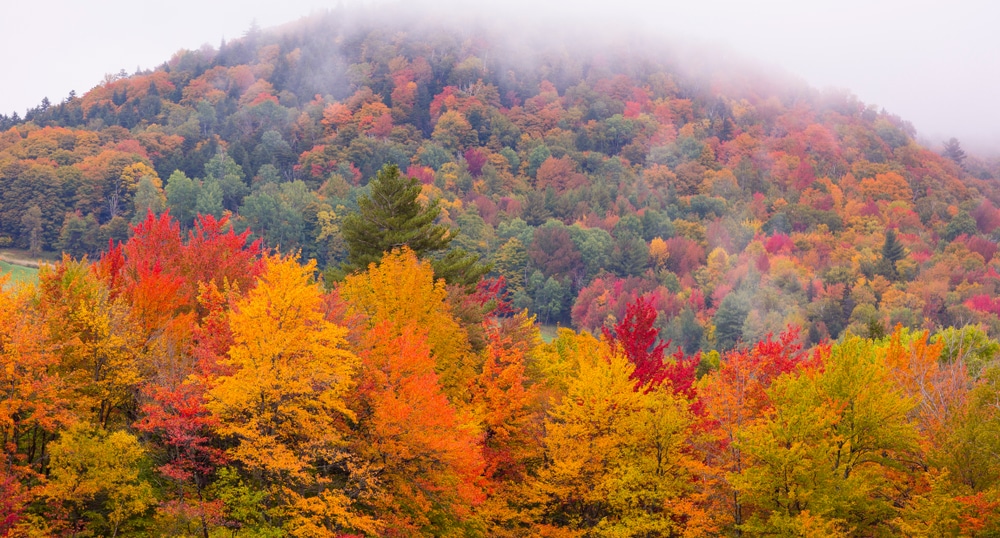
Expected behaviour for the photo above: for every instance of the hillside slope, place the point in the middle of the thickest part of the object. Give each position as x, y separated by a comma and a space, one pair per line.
588, 175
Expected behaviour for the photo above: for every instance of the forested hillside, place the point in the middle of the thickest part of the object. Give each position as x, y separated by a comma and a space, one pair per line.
784, 307
587, 177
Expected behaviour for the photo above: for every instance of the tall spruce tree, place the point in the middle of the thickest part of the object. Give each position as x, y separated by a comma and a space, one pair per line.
391, 217
892, 252
953, 150
729, 320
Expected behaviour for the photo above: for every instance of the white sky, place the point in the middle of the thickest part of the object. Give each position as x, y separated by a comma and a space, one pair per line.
935, 64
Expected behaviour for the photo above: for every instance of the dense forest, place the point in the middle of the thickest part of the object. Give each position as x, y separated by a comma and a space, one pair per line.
304, 275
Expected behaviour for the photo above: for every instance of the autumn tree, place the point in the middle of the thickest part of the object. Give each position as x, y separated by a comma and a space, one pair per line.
96, 338
510, 411
616, 464
835, 447
34, 402
636, 337
733, 397
423, 462
177, 420
94, 482
283, 405
402, 291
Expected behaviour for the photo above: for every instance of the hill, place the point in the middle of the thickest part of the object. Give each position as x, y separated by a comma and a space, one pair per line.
785, 308
587, 172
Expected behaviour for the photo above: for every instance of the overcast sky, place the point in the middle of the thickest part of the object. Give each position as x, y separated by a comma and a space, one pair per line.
933, 64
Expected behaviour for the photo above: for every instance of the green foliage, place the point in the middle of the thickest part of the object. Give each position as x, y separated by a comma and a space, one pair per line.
824, 451
230, 177
243, 504
391, 217
149, 198
892, 252
182, 197
80, 235
969, 345
961, 224
729, 319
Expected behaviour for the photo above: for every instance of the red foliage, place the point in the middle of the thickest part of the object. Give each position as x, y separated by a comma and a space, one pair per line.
685, 255
491, 294
161, 274
13, 498
639, 340
635, 336
632, 109
316, 164
987, 217
475, 158
737, 392
984, 247
984, 303
212, 337
180, 422
682, 372
382, 127
215, 253
870, 209
779, 243
488, 210
608, 297
423, 174
554, 252
763, 264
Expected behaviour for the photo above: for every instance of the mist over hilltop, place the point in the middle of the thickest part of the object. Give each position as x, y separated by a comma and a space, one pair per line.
926, 64
929, 65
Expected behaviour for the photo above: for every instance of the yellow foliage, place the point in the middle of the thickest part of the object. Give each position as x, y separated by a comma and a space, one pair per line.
134, 172
401, 290
658, 252
98, 341
290, 372
557, 363
283, 402
613, 452
89, 464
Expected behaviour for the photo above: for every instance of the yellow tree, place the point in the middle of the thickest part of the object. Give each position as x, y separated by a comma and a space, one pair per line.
93, 482
658, 253
832, 451
401, 290
96, 338
283, 405
616, 464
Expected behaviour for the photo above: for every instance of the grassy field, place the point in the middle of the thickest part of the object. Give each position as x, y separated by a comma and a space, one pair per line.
28, 257
549, 332
18, 273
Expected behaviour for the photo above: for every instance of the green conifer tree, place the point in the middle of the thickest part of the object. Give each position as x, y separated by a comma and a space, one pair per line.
892, 252
391, 217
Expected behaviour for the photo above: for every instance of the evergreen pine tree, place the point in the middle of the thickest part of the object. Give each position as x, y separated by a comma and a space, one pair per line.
953, 150
391, 217
892, 252
729, 319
